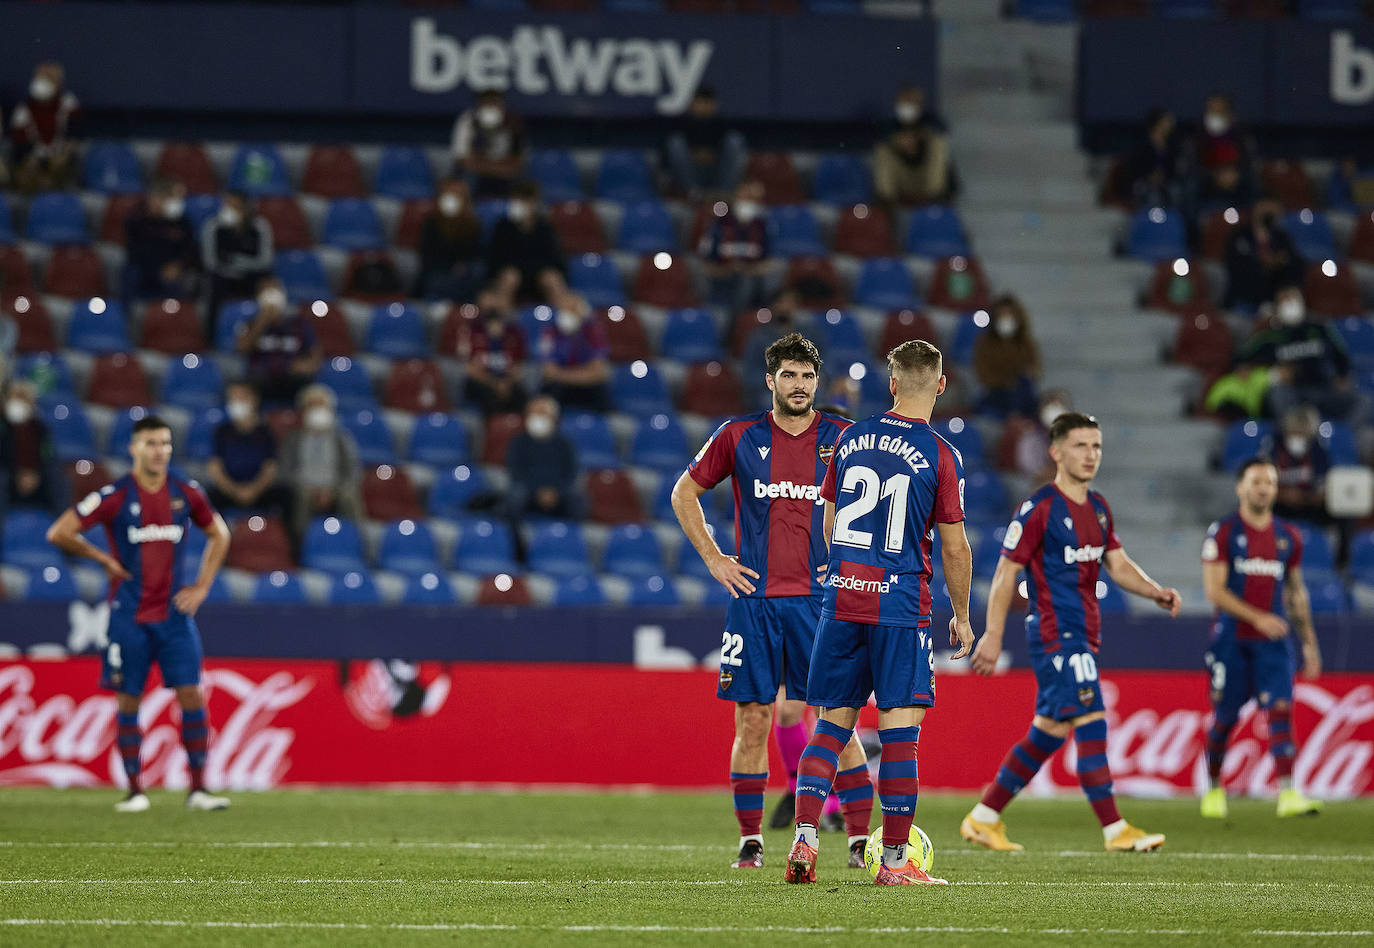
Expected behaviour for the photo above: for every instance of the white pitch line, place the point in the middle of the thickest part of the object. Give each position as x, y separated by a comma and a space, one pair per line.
671, 883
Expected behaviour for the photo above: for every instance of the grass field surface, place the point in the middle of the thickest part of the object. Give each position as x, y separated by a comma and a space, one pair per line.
363, 867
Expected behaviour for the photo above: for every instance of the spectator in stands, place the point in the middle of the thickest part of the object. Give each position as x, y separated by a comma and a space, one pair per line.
320, 462
489, 145
1221, 140
1025, 443
785, 316
542, 462
27, 470
282, 352
1222, 185
911, 165
705, 157
525, 259
1302, 463
1153, 167
575, 369
1240, 394
1007, 362
235, 251
737, 251
1260, 258
492, 347
162, 257
243, 468
45, 157
450, 246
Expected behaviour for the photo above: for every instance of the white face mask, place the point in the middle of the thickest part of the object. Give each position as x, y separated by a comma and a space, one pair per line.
1005, 326
1296, 445
748, 210
230, 216
319, 418
1051, 412
42, 88
272, 298
1291, 311
239, 410
489, 116
18, 411
539, 426
172, 208
518, 211
450, 204
907, 112
567, 321
1216, 123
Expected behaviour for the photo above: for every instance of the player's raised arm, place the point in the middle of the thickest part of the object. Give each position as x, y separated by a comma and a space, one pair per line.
726, 570
957, 558
1127, 574
65, 534
1299, 609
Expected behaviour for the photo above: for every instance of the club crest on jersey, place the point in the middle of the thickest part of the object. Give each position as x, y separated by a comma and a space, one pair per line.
178, 503
1068, 523
1282, 544
825, 452
1085, 696
1102, 521
727, 678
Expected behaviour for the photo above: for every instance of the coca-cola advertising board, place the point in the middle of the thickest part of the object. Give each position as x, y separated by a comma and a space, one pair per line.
278, 723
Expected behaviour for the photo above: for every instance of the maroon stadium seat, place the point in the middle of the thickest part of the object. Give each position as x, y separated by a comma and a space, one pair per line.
746, 321
1334, 295
1177, 294
332, 171
290, 229
1216, 230
496, 436
417, 386
353, 290
409, 227
625, 334
118, 381
612, 497
459, 318
331, 327
188, 163
16, 278
1362, 239
117, 208
712, 389
865, 230
1287, 181
388, 494
1116, 186
816, 282
35, 325
904, 325
670, 288
781, 185
172, 327
504, 589
86, 475
1204, 342
259, 545
75, 273
959, 283
579, 229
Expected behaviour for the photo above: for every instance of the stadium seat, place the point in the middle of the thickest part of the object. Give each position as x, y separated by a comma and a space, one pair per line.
985, 496
1331, 11
439, 440
118, 207
632, 551
864, 230
656, 590
1331, 289
303, 275
1339, 440
332, 545
485, 546
171, 327
290, 228
353, 588
936, 231
388, 494
353, 224
371, 276
234, 318
665, 286
408, 547
74, 272
646, 227
1317, 553
98, 325
331, 171
257, 170
199, 442
199, 209
330, 327
1245, 440
504, 589
841, 180
559, 549
279, 588
453, 489
428, 589
885, 283
35, 329
1216, 226
118, 381
16, 277
1328, 597
1178, 287
51, 584
56, 217
612, 497
624, 333
1362, 558
1311, 234
816, 281
122, 430
841, 337
711, 389
556, 174
71, 431
775, 170
111, 168
965, 438
86, 475
1288, 182
412, 223
369, 429
660, 443
7, 235
23, 542
691, 335
397, 331
489, 212
193, 382
50, 373
579, 229
624, 176
579, 590
259, 545
497, 433
1204, 342
596, 278
796, 232
1362, 238
592, 436
958, 283
1156, 233
1358, 334
903, 325
188, 163
638, 388
403, 173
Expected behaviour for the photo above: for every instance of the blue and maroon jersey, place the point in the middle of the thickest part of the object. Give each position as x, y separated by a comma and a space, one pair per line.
1061, 543
778, 509
1257, 564
893, 478
145, 528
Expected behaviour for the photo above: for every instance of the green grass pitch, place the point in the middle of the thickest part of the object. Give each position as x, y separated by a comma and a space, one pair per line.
362, 867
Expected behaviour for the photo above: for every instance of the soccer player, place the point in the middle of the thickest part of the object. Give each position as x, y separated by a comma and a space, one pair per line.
776, 460
1251, 572
891, 483
146, 515
1061, 536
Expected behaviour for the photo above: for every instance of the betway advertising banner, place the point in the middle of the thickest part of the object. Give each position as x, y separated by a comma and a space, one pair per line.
282, 723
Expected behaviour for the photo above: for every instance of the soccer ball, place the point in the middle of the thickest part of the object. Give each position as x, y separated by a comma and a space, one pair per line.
918, 849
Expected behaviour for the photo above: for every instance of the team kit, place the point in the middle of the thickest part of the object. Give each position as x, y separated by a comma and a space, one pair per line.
830, 609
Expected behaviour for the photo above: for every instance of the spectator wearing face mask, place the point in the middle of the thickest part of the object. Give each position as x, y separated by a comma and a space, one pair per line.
1007, 362
450, 246
705, 157
1260, 257
492, 347
320, 462
40, 126
525, 260
243, 468
575, 366
1302, 463
27, 470
736, 251
162, 256
282, 352
1153, 166
489, 145
236, 252
542, 462
1221, 140
911, 164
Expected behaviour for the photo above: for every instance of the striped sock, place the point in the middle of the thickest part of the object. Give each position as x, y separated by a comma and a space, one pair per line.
1022, 763
855, 791
791, 743
195, 736
897, 786
748, 790
1281, 740
816, 771
1094, 775
130, 741
1217, 735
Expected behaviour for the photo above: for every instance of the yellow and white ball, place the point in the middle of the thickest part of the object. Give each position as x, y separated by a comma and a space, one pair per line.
918, 849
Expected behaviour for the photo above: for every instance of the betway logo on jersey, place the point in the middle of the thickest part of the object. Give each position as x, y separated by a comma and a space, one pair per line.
1084, 554
156, 532
788, 491
1255, 566
858, 585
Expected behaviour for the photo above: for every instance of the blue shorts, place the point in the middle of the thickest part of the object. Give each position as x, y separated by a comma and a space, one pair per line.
1066, 684
767, 642
852, 660
1249, 668
173, 643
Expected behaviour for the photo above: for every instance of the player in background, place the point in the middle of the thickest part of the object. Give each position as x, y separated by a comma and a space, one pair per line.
891, 483
146, 515
1251, 572
792, 730
776, 461
1061, 536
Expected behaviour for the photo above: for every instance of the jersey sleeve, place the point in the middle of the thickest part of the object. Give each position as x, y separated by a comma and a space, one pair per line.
1214, 546
949, 487
1295, 558
716, 459
1113, 541
1026, 532
202, 513
99, 506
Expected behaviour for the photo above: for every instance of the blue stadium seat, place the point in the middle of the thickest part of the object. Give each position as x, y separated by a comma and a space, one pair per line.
354, 588
485, 547
656, 590
403, 173
219, 587
987, 551
663, 501
646, 227
660, 443
23, 541
438, 440
638, 388
556, 174
397, 331
1328, 598
51, 584
689, 561
985, 496
303, 275
99, 325
1311, 233
624, 176
580, 590
199, 443
333, 545
593, 439
369, 429
632, 551
451, 491
1358, 333
1331, 11
57, 217
842, 180
122, 431
408, 547
353, 224
193, 382
534, 320
596, 278
6, 221
71, 432
233, 318
259, 170
200, 208
885, 283
841, 339
966, 333
557, 548
1362, 558
796, 232
1339, 440
489, 212
1245, 440
428, 589
1156, 233
691, 335
936, 232
965, 438
49, 373
278, 588
1317, 555
111, 168
349, 381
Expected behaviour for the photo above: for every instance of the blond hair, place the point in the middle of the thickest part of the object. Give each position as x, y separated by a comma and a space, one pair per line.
916, 365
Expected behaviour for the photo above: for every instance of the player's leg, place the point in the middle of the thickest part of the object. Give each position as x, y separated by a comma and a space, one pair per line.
797, 617
124, 670
1274, 670
180, 657
1228, 676
750, 672
749, 777
1095, 777
789, 726
854, 791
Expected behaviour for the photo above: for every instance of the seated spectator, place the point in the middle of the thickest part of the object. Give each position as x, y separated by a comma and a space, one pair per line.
45, 157
525, 259
542, 462
1007, 362
27, 475
236, 253
162, 257
1302, 463
912, 165
911, 111
243, 469
282, 352
1153, 166
1240, 394
1223, 185
319, 461
703, 154
786, 317
737, 252
450, 246
1260, 258
489, 145
492, 347
575, 370
1221, 141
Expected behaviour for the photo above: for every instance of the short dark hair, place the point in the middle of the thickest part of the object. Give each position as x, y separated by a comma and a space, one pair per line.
525, 188
793, 347
148, 423
1258, 460
1068, 421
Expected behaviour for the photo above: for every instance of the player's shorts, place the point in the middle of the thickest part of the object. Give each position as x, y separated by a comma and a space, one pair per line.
174, 644
767, 642
1066, 684
852, 660
1242, 669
